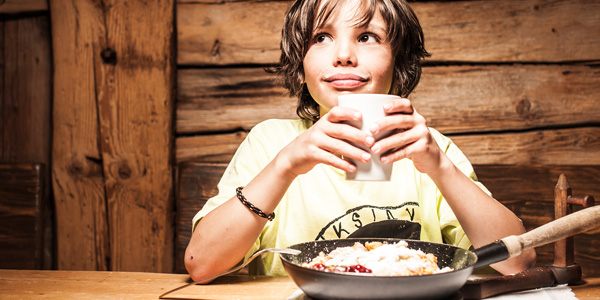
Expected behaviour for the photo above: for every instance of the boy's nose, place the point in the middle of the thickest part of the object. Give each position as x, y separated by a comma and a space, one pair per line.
345, 55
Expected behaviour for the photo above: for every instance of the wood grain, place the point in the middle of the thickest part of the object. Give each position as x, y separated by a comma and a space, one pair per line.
82, 232
22, 6
25, 105
135, 94
22, 205
228, 99
573, 146
26, 91
2, 62
114, 83
87, 285
475, 31
536, 183
569, 146
229, 33
454, 99
208, 148
459, 99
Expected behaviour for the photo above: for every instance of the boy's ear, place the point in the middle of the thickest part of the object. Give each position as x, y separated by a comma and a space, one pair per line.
301, 77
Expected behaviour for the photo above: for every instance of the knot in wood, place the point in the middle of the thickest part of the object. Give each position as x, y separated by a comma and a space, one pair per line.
88, 167
524, 110
109, 56
124, 171
75, 169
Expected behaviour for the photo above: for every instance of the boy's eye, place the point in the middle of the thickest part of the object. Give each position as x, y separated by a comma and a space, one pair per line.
321, 38
368, 37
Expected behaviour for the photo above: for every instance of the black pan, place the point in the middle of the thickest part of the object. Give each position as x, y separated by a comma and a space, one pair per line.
328, 285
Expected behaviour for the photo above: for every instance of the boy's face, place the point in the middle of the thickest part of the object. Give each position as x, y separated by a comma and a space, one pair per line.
343, 58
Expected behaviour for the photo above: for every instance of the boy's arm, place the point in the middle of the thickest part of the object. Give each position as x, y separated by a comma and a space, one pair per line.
483, 219
222, 238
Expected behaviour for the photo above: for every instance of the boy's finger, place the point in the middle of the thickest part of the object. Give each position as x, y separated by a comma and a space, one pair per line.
339, 114
401, 105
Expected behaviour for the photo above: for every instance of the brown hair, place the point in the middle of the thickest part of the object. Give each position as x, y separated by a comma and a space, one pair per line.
404, 35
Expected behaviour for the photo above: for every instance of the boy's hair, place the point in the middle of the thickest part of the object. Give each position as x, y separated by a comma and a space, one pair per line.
404, 35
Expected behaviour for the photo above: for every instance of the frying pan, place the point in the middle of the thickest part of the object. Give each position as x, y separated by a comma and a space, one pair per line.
329, 285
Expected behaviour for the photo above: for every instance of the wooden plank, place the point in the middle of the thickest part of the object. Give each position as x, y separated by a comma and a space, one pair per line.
229, 33
481, 31
226, 99
536, 182
22, 6
208, 148
530, 31
3, 87
82, 234
135, 81
113, 139
196, 183
460, 99
26, 101
22, 204
571, 146
454, 99
26, 91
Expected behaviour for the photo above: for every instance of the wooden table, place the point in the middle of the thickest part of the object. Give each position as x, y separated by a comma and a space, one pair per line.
23, 285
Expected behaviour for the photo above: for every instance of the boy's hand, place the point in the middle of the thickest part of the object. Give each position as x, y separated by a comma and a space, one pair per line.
411, 138
326, 142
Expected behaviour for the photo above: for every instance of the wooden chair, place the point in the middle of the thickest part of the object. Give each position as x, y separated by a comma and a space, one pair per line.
21, 216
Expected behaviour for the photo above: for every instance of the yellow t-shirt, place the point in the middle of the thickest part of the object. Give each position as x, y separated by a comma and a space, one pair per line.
321, 204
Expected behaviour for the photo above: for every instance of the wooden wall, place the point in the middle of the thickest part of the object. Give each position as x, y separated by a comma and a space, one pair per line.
25, 87
25, 128
96, 89
516, 84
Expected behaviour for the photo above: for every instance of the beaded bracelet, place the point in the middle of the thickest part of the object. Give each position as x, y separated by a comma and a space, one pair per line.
254, 209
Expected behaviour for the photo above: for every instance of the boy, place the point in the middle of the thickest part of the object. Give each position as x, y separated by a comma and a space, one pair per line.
292, 171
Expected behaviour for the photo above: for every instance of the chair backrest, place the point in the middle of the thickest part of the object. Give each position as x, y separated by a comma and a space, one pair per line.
21, 216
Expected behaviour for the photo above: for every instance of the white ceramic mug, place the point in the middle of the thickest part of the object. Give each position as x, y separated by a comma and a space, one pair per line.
371, 108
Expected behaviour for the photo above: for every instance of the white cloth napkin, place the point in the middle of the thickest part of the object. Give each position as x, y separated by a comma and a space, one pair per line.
560, 292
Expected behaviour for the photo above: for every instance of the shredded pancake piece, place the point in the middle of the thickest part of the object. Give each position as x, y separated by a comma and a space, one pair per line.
379, 259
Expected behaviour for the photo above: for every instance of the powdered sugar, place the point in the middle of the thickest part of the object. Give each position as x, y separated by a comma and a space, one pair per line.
378, 259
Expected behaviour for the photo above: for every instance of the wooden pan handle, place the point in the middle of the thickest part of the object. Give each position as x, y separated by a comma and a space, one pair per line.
572, 224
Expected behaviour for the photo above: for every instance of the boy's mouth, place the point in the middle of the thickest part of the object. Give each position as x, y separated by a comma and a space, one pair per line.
346, 80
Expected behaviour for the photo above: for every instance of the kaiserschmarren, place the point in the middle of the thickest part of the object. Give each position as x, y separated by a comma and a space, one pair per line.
378, 259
